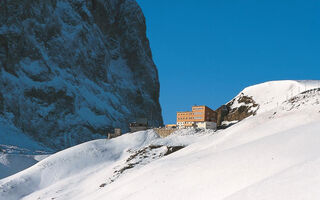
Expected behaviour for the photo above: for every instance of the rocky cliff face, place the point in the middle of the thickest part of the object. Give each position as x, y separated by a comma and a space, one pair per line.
237, 109
72, 70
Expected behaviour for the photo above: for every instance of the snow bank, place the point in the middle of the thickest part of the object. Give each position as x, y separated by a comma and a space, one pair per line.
71, 162
299, 182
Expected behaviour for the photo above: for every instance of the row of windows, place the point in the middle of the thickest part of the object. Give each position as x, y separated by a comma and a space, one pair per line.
188, 113
192, 113
180, 123
182, 118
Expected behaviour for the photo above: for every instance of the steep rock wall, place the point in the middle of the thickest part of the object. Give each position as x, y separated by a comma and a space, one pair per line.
70, 71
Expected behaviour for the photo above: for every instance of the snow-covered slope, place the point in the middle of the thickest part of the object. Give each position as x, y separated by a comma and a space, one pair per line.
261, 98
271, 94
17, 150
271, 155
93, 166
70, 70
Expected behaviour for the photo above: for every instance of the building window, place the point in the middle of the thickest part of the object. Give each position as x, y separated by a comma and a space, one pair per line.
198, 113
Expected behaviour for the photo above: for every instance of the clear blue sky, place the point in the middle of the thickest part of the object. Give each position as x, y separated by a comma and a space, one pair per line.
208, 51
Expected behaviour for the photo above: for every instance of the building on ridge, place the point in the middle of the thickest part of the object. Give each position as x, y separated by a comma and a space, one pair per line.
200, 116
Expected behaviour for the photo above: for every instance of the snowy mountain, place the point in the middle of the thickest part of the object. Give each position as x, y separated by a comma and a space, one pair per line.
261, 98
70, 71
273, 154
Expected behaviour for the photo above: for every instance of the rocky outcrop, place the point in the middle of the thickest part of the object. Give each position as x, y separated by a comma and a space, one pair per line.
71, 71
237, 109
240, 108
140, 158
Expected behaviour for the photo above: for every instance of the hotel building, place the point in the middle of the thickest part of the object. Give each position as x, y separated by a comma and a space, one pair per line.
198, 114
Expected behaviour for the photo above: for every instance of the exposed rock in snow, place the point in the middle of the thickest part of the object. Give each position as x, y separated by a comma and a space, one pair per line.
72, 70
141, 157
241, 107
261, 98
306, 98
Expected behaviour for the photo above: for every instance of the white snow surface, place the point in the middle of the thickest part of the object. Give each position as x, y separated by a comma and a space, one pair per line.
272, 155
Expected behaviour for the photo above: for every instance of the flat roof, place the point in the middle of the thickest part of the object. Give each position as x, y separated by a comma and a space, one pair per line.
194, 106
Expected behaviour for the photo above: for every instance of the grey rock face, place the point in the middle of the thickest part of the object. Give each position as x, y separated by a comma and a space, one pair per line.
71, 70
246, 107
237, 109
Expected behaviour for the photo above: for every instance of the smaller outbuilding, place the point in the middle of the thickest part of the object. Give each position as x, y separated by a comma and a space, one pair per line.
207, 125
140, 124
117, 133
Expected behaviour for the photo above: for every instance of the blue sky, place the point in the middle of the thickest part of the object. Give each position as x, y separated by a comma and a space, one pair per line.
208, 51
